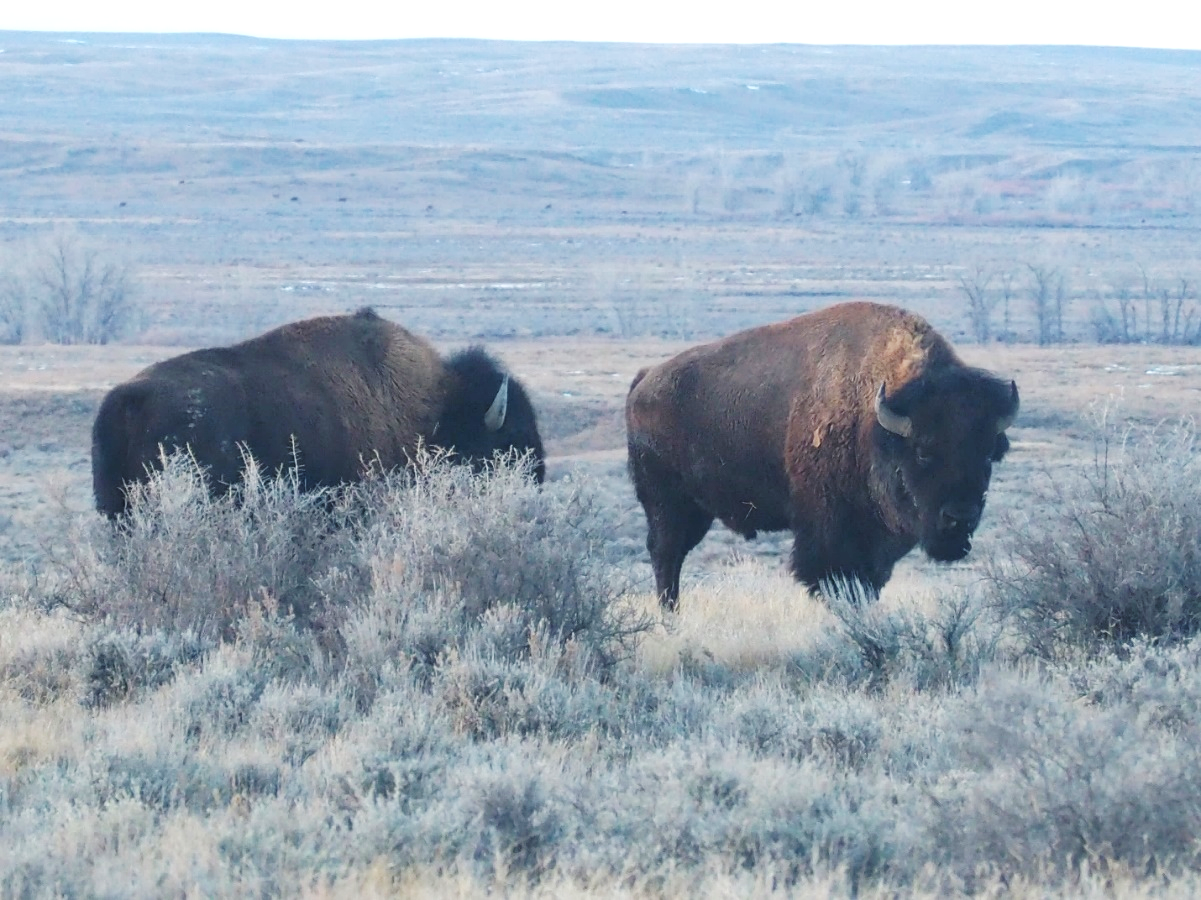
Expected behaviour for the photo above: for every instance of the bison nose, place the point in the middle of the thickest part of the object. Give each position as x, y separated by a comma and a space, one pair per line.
959, 517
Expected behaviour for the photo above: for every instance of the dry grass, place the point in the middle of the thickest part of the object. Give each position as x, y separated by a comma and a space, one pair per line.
525, 736
746, 618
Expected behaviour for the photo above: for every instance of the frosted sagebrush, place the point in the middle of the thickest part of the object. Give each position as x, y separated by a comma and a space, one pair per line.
873, 646
183, 560
1113, 552
486, 564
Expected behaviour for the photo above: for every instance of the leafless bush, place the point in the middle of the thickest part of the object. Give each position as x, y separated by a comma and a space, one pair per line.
1114, 552
874, 647
1180, 322
492, 565
184, 561
77, 295
14, 309
1048, 301
1120, 327
980, 303
1127, 312
1170, 310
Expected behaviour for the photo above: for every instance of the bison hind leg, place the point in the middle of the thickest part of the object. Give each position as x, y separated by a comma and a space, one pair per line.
675, 523
672, 533
671, 536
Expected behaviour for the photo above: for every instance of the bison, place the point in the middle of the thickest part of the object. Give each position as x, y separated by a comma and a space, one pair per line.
856, 427
328, 394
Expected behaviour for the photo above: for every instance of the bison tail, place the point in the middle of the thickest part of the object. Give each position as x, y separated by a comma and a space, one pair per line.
113, 462
637, 378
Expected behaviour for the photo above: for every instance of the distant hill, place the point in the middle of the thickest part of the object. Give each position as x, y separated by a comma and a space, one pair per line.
611, 96
593, 165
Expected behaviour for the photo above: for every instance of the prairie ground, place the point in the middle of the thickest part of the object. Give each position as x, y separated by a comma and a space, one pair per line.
258, 699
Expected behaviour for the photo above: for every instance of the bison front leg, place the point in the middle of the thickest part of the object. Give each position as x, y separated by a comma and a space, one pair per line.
675, 523
836, 559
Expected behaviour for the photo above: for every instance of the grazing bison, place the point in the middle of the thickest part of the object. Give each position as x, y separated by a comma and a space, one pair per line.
342, 390
856, 427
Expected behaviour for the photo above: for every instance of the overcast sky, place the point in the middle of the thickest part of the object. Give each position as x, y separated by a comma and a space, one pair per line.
1145, 23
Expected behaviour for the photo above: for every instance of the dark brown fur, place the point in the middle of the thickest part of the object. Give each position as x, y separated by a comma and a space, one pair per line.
775, 428
347, 389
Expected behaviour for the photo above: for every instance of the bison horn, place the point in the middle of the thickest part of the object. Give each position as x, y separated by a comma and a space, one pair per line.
494, 418
1006, 420
890, 420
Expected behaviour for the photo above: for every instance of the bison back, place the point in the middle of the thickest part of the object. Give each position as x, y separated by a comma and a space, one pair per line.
327, 395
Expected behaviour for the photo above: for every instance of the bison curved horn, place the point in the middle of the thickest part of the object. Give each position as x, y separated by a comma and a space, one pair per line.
889, 420
494, 418
1006, 420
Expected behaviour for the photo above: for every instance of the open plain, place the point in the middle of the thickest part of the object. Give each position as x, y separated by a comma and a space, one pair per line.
585, 210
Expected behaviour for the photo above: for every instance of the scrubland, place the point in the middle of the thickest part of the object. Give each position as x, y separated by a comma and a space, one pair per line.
443, 686
437, 684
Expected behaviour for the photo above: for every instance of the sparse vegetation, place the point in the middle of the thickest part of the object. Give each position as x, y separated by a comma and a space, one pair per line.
439, 679
79, 296
66, 291
980, 302
450, 688
1113, 552
14, 307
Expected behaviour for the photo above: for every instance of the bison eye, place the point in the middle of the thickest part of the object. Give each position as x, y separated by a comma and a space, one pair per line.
924, 457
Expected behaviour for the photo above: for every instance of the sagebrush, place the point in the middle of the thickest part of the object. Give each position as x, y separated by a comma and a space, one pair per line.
438, 682
1111, 552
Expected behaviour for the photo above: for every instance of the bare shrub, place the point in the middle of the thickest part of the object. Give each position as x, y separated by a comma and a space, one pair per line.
1048, 301
1127, 311
78, 295
185, 561
456, 557
1114, 551
875, 646
451, 557
1178, 312
980, 302
14, 309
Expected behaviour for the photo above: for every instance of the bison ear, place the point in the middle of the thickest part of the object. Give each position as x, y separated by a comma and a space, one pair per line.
494, 418
1006, 420
889, 419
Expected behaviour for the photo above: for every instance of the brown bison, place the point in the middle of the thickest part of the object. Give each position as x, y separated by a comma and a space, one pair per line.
330, 394
856, 427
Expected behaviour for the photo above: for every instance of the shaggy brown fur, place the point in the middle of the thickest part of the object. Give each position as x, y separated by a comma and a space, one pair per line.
347, 389
776, 428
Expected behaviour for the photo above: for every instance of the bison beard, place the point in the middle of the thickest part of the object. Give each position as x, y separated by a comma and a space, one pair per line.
856, 427
329, 394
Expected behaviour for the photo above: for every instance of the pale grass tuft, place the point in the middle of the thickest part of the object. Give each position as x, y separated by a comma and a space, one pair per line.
749, 616
39, 652
34, 736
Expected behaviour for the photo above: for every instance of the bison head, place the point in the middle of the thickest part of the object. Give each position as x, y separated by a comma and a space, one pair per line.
488, 412
938, 437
